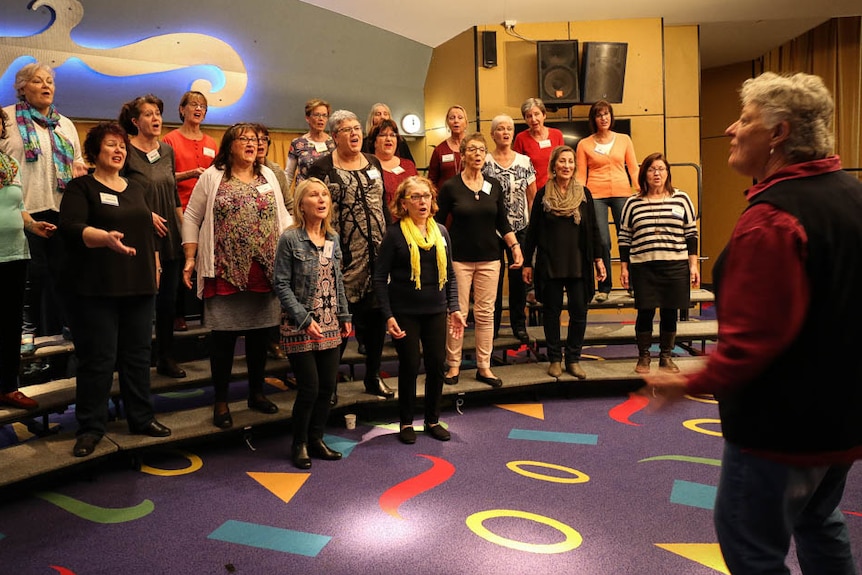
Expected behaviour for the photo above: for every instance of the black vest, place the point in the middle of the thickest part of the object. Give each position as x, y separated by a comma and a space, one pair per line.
809, 400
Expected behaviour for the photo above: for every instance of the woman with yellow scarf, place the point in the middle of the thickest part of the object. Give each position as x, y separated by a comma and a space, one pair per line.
415, 285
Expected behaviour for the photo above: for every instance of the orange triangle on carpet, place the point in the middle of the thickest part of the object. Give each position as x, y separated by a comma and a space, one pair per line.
535, 410
707, 554
282, 485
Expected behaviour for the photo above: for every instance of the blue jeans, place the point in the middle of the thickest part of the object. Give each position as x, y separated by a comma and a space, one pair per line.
616, 207
762, 503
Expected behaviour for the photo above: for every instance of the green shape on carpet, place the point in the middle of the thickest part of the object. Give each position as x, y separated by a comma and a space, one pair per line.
95, 513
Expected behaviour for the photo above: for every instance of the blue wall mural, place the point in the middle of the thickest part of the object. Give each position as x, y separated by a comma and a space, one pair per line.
256, 61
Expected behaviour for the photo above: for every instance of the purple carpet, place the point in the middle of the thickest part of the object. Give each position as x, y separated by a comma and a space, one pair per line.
558, 484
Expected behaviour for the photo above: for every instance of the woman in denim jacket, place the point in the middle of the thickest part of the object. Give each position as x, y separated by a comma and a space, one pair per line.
314, 316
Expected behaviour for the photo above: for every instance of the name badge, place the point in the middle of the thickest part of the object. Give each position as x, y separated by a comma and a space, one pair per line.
397, 170
486, 187
545, 144
328, 246
321, 147
154, 156
678, 212
264, 188
209, 152
448, 158
109, 199
373, 174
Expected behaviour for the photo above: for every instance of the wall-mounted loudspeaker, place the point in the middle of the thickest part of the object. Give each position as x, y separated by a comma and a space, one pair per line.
604, 71
489, 49
557, 62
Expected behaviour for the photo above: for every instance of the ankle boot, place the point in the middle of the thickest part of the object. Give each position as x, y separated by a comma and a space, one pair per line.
644, 339
299, 456
666, 343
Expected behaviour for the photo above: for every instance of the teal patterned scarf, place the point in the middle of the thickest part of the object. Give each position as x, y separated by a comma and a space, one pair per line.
62, 151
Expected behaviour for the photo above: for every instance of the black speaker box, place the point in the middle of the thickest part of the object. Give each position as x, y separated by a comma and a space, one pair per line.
489, 49
557, 62
604, 71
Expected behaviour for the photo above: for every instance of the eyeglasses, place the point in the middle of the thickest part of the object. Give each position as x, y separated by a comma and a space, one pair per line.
657, 170
388, 135
475, 149
263, 140
419, 197
195, 106
357, 129
247, 140
319, 115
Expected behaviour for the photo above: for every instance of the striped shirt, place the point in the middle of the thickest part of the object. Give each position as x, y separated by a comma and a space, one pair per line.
657, 230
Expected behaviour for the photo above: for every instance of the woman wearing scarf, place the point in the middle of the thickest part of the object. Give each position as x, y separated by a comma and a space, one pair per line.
46, 146
565, 238
415, 284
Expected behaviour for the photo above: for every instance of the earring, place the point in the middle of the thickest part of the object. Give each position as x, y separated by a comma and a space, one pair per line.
771, 151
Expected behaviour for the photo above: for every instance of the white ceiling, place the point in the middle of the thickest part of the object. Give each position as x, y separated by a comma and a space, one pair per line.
730, 30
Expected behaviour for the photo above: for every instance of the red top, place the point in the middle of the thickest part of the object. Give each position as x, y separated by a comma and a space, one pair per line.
188, 155
538, 152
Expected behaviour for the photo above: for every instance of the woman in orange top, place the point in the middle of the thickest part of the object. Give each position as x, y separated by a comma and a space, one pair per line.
607, 165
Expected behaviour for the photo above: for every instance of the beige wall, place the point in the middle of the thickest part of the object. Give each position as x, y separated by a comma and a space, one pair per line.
661, 90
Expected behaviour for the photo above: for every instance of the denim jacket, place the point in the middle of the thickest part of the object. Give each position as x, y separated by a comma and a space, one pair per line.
296, 267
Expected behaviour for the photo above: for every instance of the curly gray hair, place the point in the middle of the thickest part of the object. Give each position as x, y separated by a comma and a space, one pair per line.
804, 102
337, 118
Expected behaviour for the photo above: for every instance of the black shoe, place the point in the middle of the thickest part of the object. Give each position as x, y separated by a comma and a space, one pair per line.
378, 387
274, 351
521, 334
222, 420
170, 368
407, 435
85, 444
299, 456
451, 380
154, 429
492, 381
361, 349
438, 432
333, 400
318, 449
262, 404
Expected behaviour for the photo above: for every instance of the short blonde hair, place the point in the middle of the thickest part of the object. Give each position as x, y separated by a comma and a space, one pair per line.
302, 190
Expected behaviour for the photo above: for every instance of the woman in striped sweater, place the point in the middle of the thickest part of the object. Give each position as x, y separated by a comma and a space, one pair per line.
658, 251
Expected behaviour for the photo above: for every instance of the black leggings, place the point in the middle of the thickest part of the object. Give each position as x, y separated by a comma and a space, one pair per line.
221, 360
316, 373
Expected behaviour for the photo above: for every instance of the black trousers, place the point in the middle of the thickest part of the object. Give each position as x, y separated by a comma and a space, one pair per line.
109, 333
552, 308
517, 289
14, 274
370, 327
316, 373
430, 331
166, 301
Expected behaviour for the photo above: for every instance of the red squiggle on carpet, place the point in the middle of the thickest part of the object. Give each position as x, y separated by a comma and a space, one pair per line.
623, 411
62, 570
393, 497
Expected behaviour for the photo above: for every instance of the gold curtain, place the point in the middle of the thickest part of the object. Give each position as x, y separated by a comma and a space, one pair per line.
832, 51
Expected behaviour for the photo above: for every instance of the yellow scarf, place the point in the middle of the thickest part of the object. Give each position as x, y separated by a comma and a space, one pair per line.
416, 240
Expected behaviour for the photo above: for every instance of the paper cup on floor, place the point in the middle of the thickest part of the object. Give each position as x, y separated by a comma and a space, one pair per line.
350, 420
